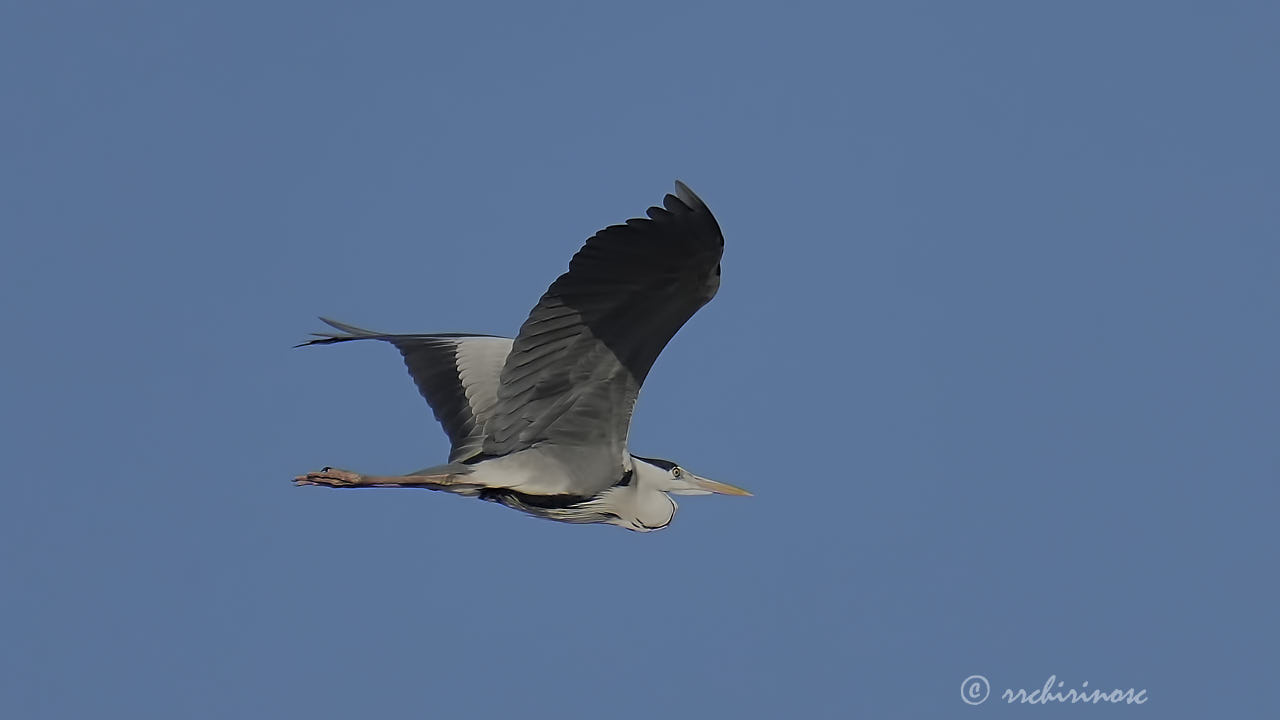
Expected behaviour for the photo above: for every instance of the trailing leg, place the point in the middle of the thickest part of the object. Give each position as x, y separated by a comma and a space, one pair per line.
338, 478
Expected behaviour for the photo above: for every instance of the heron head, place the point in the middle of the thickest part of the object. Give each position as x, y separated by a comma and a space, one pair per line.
642, 503
667, 476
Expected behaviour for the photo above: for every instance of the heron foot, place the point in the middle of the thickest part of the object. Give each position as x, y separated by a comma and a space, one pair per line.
330, 477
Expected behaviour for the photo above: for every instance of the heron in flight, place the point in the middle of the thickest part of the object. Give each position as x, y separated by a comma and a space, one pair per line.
539, 423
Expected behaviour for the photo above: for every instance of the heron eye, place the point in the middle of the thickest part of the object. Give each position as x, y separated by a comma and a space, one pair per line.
676, 472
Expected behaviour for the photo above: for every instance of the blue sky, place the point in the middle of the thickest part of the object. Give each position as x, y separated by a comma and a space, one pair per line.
995, 348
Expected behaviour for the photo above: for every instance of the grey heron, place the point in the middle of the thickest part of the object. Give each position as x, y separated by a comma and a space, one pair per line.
540, 423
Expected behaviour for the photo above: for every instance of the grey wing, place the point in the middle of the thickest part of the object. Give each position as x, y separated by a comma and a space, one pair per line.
456, 374
578, 362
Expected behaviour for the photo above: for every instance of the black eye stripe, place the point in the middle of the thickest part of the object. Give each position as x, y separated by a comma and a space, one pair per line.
664, 464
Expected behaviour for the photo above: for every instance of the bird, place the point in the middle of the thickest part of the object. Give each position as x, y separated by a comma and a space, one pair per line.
540, 423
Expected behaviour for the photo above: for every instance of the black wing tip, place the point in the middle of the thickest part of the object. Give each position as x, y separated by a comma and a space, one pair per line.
353, 333
323, 340
687, 200
688, 197
357, 333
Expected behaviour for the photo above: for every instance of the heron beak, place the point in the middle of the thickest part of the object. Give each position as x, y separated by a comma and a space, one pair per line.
719, 488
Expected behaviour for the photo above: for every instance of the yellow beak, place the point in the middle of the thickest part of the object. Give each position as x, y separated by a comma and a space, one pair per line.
718, 488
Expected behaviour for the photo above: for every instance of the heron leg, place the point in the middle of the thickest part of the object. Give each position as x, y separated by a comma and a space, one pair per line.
339, 478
